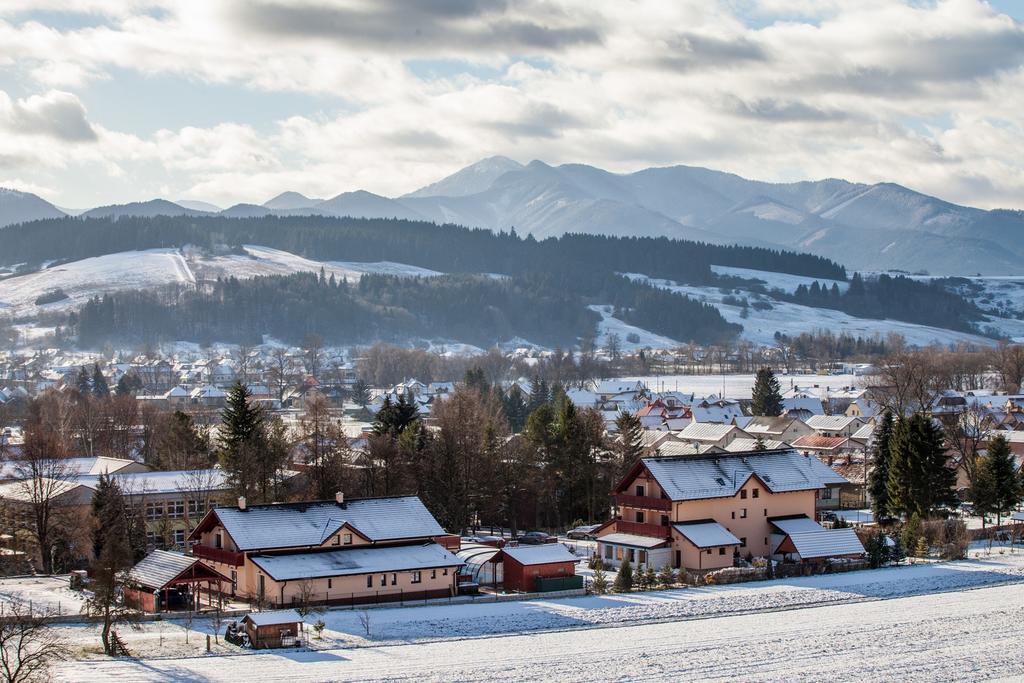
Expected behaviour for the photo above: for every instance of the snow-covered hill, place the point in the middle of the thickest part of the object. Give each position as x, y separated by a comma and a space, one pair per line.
21, 207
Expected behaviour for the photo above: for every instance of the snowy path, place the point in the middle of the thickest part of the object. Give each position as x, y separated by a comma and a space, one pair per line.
949, 636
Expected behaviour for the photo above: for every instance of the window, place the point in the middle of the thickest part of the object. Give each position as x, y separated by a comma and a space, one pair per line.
618, 553
640, 516
446, 571
640, 490
743, 513
154, 510
708, 551
176, 509
734, 514
218, 541
262, 585
766, 540
743, 494
664, 520
369, 582
234, 580
721, 551
179, 537
756, 493
151, 538
608, 552
743, 541
348, 539
826, 494
336, 540
766, 512
394, 579
433, 573
195, 508
383, 579
417, 577
643, 557
330, 583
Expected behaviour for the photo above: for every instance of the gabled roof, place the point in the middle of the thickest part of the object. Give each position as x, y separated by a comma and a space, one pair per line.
633, 540
356, 560
274, 618
706, 534
161, 567
832, 422
300, 525
738, 445
723, 474
822, 442
706, 431
769, 424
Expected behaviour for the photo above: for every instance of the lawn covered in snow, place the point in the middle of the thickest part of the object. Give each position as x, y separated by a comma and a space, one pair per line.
784, 281
946, 621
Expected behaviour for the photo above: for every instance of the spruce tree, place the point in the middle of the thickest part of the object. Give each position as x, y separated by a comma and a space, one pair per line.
919, 477
100, 388
630, 441
516, 409
640, 578
666, 577
600, 583
361, 393
83, 382
624, 579
650, 577
878, 478
1006, 482
241, 440
983, 489
767, 396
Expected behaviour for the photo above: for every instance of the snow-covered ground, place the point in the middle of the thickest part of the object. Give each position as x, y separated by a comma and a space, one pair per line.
267, 261
81, 280
644, 338
741, 385
793, 319
42, 593
784, 281
937, 621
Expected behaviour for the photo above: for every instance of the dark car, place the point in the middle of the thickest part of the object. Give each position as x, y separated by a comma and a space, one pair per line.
583, 533
535, 538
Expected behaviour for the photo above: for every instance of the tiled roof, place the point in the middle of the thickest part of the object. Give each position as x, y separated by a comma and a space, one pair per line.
722, 475
294, 525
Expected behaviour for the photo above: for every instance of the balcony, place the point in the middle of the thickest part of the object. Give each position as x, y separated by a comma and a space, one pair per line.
643, 502
218, 555
642, 529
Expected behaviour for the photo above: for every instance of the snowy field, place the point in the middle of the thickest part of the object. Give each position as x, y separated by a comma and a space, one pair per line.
611, 325
793, 319
784, 281
742, 385
81, 280
267, 261
942, 621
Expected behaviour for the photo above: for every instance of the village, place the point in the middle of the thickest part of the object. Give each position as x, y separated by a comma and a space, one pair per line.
299, 517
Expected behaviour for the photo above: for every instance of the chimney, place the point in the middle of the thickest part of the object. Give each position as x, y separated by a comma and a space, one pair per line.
241, 502
339, 497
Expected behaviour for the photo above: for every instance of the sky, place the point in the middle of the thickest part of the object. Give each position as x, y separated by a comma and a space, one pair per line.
226, 101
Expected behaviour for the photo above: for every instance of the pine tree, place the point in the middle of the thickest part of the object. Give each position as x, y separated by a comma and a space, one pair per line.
83, 382
919, 478
666, 577
921, 550
1006, 483
624, 579
878, 479
983, 489
600, 583
639, 578
767, 396
630, 441
516, 409
650, 577
361, 393
242, 441
759, 444
100, 388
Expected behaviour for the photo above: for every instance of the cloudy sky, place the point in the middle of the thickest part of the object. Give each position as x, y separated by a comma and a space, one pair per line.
106, 101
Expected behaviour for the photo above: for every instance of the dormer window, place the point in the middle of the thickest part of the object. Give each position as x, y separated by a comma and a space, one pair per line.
348, 539
336, 540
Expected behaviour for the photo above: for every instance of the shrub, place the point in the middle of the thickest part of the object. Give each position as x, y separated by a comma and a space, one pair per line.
624, 579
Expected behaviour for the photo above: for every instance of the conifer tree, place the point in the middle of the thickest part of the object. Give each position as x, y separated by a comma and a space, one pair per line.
83, 382
624, 579
650, 577
767, 396
360, 393
639, 578
666, 577
630, 441
919, 478
242, 441
1006, 482
878, 478
983, 489
600, 583
516, 409
100, 388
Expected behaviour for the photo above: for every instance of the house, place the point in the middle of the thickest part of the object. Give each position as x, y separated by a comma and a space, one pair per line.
783, 428
712, 434
827, 448
715, 409
166, 580
538, 568
278, 628
330, 552
835, 425
698, 512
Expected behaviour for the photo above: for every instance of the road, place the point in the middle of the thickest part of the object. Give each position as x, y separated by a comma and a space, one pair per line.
965, 635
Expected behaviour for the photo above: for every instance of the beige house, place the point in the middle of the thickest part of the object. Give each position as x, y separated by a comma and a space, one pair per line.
697, 512
330, 552
785, 429
835, 425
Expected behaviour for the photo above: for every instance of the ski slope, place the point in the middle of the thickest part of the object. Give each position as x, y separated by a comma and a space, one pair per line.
81, 280
794, 319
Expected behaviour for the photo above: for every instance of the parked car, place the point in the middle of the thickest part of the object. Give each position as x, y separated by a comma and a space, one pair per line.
583, 533
536, 538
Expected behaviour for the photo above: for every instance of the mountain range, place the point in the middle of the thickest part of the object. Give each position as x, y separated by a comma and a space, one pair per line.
883, 226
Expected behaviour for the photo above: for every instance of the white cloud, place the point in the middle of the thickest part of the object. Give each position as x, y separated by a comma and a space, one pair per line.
926, 94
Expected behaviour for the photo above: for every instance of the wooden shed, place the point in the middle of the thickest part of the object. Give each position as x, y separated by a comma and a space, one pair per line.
279, 628
164, 580
530, 568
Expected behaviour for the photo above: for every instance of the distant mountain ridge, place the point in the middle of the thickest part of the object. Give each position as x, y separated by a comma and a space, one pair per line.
866, 227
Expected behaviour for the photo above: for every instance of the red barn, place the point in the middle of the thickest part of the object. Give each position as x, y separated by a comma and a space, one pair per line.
536, 568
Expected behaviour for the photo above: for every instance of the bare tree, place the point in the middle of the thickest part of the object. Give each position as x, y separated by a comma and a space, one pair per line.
200, 490
909, 382
280, 370
1008, 362
966, 431
243, 360
364, 621
325, 448
28, 644
313, 348
305, 597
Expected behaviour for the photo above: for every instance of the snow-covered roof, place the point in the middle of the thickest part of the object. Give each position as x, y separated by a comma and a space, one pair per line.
768, 424
808, 403
832, 422
632, 540
865, 432
826, 543
294, 525
164, 482
281, 616
545, 553
356, 560
705, 431
789, 525
738, 445
160, 567
706, 534
723, 474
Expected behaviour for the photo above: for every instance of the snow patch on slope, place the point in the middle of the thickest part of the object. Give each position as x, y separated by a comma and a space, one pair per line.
612, 325
784, 281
